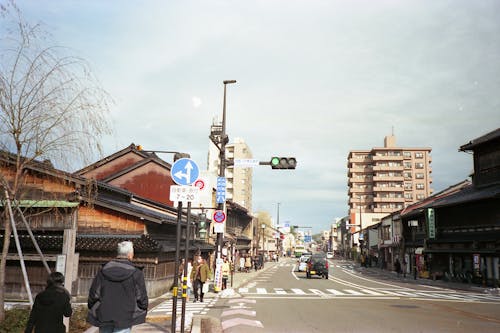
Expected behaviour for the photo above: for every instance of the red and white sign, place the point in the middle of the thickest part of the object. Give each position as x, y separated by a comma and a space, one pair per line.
200, 183
219, 216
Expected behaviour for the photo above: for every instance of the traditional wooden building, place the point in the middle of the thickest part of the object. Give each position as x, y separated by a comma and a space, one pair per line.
78, 222
455, 234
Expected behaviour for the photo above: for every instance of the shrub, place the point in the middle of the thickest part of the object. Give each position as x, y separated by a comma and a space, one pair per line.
15, 320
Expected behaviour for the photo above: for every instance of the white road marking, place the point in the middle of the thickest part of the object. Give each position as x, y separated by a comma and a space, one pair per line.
335, 292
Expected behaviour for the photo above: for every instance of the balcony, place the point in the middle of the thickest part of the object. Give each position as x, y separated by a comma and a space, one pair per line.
360, 190
388, 179
360, 170
387, 157
389, 200
388, 189
359, 180
388, 168
359, 160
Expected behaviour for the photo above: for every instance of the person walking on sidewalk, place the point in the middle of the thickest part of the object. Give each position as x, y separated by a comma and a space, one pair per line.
242, 264
397, 266
50, 306
248, 263
199, 276
226, 268
118, 298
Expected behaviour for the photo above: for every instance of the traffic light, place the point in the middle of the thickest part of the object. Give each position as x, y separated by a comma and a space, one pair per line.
283, 162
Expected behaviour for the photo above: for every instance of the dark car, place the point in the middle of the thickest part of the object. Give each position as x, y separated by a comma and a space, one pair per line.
317, 265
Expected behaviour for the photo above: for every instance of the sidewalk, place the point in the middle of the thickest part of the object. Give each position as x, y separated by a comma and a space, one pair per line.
392, 275
162, 323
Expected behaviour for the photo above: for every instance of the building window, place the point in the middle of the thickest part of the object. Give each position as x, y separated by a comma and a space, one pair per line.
407, 154
419, 165
408, 186
407, 165
419, 175
408, 196
419, 155
407, 175
420, 186
420, 196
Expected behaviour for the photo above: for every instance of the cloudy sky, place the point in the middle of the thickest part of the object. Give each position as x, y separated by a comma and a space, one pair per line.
316, 79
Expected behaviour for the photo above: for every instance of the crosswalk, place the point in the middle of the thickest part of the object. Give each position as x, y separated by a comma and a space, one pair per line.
191, 309
378, 293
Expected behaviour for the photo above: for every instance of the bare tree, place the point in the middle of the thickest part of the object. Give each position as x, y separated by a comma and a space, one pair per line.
51, 107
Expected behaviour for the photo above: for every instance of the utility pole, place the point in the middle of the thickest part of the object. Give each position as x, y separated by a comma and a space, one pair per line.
222, 173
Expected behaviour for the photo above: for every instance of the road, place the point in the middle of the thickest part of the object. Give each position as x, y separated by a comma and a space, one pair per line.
283, 300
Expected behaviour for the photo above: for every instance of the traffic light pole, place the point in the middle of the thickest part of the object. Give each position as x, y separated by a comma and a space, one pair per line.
222, 173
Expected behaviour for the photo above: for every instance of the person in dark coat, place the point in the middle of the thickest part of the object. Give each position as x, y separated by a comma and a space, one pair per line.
50, 306
118, 298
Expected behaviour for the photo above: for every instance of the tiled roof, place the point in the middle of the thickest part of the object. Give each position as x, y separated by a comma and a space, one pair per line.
467, 194
53, 243
102, 243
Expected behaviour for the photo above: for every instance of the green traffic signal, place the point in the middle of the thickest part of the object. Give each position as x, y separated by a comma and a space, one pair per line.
275, 161
283, 162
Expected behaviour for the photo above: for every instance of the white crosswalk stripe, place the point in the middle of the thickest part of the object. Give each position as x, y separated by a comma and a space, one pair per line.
335, 292
370, 293
298, 291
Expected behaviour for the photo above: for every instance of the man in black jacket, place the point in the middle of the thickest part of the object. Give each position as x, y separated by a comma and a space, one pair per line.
50, 306
118, 298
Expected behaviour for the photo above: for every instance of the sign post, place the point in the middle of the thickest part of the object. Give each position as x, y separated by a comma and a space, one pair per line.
184, 172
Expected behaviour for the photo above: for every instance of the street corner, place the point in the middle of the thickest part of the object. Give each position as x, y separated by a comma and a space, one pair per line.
158, 318
228, 293
207, 324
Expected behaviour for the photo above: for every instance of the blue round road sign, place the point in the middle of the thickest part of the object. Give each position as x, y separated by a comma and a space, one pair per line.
184, 171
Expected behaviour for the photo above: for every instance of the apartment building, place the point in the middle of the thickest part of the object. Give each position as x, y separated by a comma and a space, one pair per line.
385, 179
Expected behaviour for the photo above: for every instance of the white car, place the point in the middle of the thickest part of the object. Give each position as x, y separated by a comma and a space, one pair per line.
302, 264
329, 255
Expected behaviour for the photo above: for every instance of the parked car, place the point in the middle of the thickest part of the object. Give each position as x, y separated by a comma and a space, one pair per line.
329, 255
317, 265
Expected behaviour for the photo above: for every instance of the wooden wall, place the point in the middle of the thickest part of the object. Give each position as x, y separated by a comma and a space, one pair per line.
105, 221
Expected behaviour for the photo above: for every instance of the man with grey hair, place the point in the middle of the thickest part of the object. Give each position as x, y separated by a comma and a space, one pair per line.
118, 298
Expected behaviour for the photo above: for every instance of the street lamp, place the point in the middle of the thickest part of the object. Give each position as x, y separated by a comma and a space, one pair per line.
222, 168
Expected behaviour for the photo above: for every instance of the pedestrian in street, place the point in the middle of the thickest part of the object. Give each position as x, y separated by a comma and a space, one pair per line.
226, 268
118, 298
397, 266
189, 285
50, 306
248, 263
404, 267
199, 276
242, 264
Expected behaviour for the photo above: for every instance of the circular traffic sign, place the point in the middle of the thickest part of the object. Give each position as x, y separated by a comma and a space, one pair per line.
219, 216
184, 171
199, 184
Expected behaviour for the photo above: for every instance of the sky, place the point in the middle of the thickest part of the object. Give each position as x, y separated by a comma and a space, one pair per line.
315, 79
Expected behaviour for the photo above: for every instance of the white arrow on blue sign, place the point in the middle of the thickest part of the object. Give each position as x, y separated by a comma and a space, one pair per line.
184, 171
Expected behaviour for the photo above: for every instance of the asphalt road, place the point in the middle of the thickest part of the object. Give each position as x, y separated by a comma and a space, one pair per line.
282, 300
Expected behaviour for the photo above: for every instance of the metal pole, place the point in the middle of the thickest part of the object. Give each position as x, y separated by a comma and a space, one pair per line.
19, 250
185, 277
35, 243
176, 266
222, 173
222, 169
